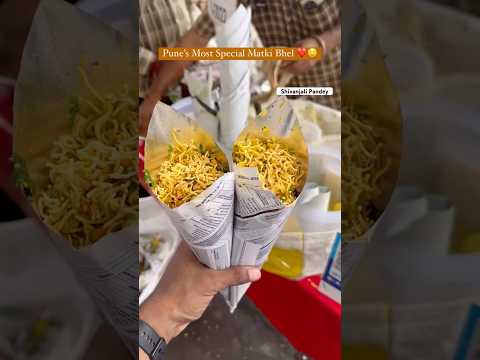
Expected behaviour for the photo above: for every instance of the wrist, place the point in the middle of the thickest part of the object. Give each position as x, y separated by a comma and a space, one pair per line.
154, 69
153, 97
160, 316
155, 92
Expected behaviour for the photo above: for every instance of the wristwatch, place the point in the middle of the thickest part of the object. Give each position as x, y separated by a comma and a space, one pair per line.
150, 342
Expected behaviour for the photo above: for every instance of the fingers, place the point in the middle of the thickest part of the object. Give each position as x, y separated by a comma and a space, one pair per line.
216, 280
236, 275
289, 67
299, 67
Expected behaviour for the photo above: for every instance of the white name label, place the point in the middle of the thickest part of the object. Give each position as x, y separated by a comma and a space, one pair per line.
305, 91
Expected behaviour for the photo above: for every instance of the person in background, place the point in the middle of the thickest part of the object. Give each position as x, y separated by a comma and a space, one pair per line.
184, 292
297, 23
161, 24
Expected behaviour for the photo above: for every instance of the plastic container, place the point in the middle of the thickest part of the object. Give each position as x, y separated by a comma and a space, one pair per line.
153, 221
327, 118
28, 258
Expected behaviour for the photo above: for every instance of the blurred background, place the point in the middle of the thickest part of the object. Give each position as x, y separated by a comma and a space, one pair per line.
44, 312
411, 293
469, 6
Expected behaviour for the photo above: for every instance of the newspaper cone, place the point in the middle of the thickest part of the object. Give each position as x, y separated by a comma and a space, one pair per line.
232, 26
371, 88
205, 222
204, 101
259, 214
48, 77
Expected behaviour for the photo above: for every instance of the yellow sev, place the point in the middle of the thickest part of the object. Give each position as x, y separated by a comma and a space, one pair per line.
279, 168
92, 187
190, 169
364, 164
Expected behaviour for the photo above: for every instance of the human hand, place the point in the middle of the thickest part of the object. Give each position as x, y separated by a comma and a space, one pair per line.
186, 289
301, 66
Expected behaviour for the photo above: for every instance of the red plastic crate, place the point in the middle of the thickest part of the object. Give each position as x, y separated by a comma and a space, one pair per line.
308, 319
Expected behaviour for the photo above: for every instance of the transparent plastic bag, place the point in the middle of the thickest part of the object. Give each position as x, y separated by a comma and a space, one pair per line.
298, 255
304, 245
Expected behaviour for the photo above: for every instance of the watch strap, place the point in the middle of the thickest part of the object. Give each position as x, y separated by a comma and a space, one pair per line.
150, 342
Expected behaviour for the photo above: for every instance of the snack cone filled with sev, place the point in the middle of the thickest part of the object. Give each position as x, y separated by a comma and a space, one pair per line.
189, 175
371, 153
270, 163
75, 145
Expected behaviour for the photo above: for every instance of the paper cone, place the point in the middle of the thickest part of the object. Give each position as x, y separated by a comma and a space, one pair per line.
259, 214
59, 42
205, 222
232, 26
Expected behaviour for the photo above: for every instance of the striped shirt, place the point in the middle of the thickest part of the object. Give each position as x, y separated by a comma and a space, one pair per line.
162, 23
286, 22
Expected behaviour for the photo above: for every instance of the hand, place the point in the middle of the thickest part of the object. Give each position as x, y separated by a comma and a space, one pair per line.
301, 66
186, 289
145, 114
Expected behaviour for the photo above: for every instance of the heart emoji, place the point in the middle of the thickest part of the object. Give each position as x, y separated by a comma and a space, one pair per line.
301, 52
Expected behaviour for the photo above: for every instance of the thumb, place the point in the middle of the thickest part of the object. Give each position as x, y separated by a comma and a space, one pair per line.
236, 275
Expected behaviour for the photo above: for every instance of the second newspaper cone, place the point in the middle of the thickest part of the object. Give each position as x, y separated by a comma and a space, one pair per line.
188, 174
270, 163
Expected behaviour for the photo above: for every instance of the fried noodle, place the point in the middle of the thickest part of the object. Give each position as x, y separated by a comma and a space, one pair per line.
189, 170
364, 164
92, 185
280, 170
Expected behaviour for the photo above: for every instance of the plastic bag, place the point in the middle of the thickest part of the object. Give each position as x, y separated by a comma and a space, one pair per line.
303, 247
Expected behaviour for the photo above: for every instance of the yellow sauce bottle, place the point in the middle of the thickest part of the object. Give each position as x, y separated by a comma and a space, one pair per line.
285, 262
